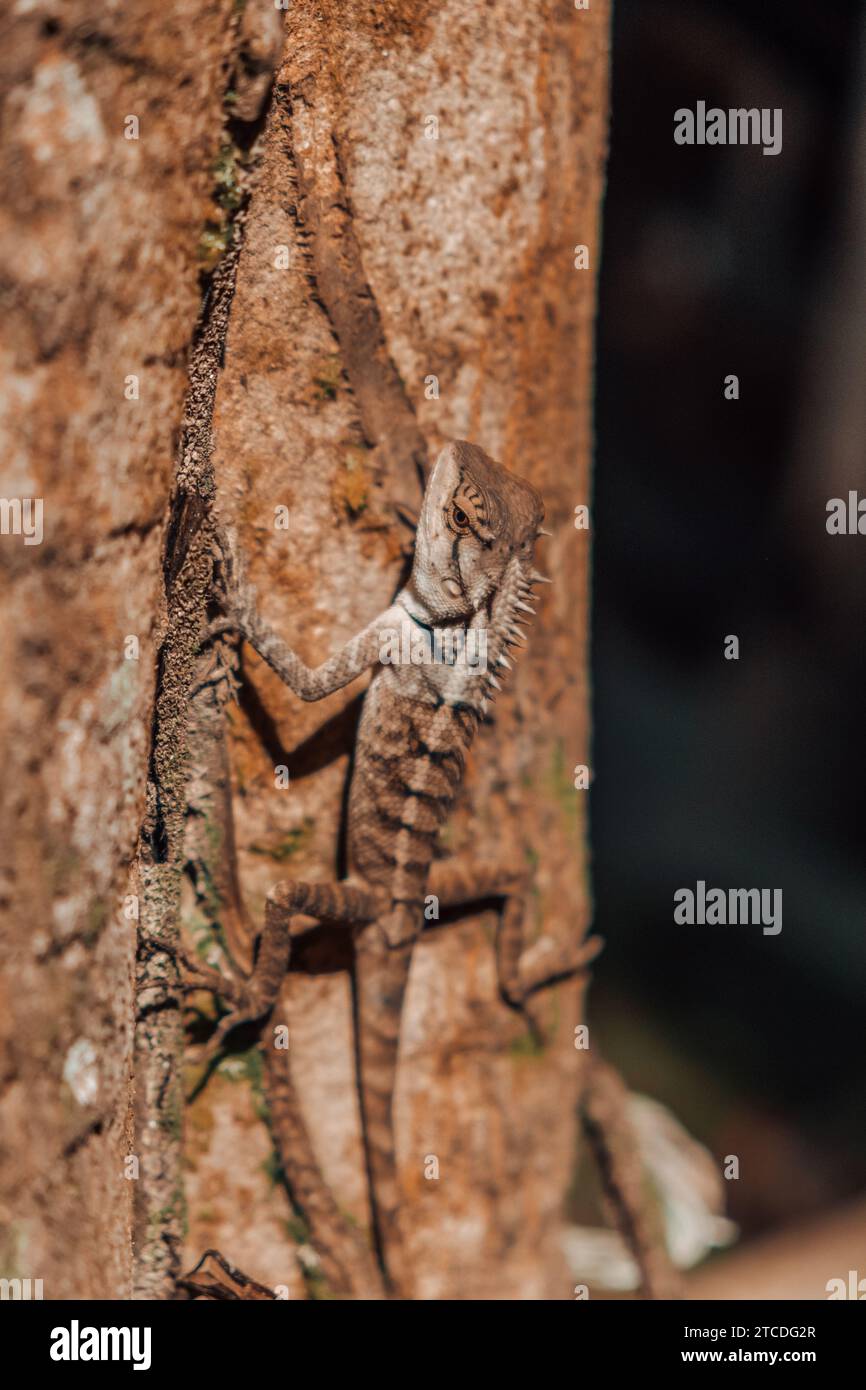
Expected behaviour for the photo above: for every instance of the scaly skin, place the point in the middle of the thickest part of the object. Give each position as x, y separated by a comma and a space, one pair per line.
472, 572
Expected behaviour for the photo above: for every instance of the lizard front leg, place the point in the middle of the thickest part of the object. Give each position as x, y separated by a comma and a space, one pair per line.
359, 654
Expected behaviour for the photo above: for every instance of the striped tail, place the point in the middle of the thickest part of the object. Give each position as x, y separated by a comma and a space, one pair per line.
381, 976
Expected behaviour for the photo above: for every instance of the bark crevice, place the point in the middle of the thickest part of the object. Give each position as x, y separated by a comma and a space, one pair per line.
188, 557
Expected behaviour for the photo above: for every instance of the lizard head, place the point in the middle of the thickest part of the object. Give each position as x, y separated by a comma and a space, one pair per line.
476, 535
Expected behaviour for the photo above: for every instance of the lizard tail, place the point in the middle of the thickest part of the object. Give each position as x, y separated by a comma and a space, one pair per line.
381, 975
347, 1266
637, 1213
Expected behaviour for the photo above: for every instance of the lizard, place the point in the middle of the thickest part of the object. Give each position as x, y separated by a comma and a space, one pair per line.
437, 653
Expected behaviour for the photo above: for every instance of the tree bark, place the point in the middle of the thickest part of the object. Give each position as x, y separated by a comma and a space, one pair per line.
371, 292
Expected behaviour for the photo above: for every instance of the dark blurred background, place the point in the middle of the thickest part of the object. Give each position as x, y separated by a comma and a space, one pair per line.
709, 519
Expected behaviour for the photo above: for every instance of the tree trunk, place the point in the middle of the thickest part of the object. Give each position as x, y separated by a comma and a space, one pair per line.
387, 237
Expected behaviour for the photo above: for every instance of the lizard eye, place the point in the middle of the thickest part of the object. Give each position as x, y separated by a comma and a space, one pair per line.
460, 517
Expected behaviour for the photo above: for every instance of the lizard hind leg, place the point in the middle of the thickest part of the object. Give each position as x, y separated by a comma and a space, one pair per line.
343, 1258
253, 998
523, 972
384, 954
523, 969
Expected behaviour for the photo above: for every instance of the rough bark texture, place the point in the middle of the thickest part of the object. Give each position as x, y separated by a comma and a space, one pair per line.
101, 241
369, 258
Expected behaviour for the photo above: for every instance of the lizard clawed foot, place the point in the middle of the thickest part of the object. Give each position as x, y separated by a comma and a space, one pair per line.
233, 1286
208, 1054
245, 1006
194, 974
235, 595
548, 960
407, 515
218, 669
541, 965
